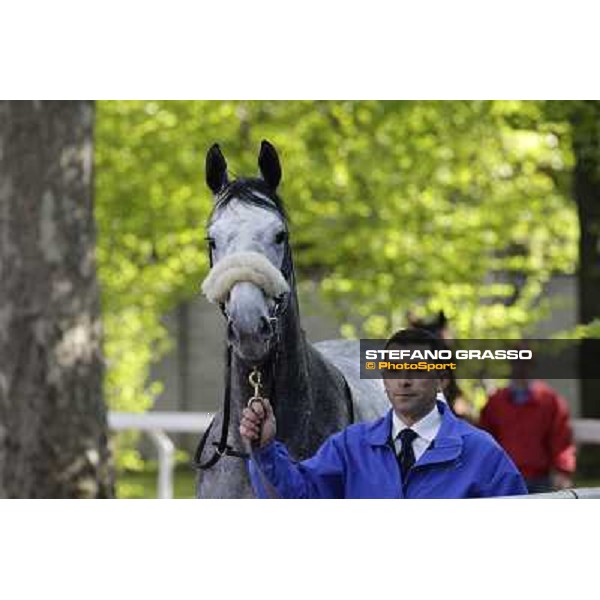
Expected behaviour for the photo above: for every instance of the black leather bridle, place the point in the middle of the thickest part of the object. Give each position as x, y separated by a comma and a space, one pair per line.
280, 306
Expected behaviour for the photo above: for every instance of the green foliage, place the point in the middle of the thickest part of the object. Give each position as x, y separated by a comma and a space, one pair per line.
444, 205
394, 206
580, 332
143, 483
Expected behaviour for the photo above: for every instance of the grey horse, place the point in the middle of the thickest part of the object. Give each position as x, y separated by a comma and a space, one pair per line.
316, 389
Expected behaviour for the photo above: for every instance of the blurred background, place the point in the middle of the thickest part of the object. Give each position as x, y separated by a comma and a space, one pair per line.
485, 210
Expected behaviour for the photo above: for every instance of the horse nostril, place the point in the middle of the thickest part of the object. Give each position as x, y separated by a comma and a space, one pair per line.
265, 326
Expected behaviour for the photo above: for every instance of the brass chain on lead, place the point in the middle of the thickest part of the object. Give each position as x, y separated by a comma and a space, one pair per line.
255, 380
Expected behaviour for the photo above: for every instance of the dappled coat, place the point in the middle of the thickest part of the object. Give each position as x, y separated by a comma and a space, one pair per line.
360, 462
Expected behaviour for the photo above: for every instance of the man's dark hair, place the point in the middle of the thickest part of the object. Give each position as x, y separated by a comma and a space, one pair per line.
415, 335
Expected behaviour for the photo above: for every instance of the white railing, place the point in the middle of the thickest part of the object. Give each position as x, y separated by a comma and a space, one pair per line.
570, 494
157, 424
586, 431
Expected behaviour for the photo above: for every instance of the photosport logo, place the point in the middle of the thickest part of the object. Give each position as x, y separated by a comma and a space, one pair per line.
477, 359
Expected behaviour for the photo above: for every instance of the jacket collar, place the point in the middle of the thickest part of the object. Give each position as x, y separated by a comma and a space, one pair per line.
427, 428
447, 445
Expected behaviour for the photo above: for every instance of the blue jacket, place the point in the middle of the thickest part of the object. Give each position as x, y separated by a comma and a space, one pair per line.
359, 462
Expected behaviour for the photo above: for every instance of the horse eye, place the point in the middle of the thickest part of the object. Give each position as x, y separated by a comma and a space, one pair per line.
281, 237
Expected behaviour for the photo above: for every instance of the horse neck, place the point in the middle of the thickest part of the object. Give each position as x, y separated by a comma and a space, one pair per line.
292, 378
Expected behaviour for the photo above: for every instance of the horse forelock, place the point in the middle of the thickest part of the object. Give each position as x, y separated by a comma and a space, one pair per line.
252, 191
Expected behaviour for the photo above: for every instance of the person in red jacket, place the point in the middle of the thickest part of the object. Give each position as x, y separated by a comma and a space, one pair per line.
530, 420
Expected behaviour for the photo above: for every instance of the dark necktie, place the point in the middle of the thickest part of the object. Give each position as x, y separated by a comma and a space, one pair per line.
406, 456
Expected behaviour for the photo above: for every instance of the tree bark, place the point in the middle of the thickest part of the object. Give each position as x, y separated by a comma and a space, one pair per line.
53, 430
585, 120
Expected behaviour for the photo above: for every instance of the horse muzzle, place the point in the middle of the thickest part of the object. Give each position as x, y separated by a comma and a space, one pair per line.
251, 329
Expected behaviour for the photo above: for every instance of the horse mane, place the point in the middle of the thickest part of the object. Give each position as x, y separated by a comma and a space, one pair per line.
249, 190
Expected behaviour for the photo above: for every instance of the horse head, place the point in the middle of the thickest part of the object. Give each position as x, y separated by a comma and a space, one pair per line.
251, 274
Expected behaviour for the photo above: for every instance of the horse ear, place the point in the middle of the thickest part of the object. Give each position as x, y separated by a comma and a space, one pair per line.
216, 169
442, 319
268, 163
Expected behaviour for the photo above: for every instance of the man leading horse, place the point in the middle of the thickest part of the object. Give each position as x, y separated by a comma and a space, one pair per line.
419, 449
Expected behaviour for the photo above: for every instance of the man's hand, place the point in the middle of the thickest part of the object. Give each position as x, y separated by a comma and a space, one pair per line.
561, 481
258, 426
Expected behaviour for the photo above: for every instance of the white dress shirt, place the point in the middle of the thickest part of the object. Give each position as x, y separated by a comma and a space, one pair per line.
426, 429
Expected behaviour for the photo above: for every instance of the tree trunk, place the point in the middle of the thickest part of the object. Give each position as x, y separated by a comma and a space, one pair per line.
53, 431
585, 120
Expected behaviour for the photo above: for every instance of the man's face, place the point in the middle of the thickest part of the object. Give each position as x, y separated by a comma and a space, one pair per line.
410, 396
520, 370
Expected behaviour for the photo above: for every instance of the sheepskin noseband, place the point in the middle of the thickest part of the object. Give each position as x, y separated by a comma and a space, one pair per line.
243, 266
